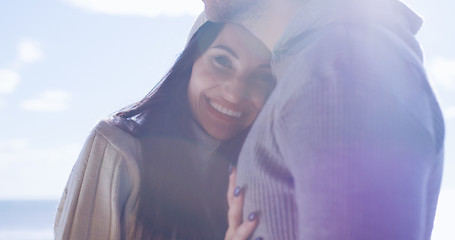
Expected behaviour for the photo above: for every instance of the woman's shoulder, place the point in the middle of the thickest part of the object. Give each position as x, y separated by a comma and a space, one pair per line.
116, 132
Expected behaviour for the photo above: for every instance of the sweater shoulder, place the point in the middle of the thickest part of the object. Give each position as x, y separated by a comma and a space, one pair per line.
114, 131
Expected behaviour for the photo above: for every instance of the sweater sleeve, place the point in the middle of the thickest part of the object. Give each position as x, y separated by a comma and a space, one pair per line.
95, 199
362, 138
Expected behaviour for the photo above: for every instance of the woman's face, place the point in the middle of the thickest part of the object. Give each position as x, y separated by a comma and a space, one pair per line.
230, 82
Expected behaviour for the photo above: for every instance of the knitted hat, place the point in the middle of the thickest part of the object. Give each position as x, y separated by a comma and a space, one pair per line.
201, 19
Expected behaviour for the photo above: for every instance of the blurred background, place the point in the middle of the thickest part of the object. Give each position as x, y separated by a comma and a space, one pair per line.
66, 64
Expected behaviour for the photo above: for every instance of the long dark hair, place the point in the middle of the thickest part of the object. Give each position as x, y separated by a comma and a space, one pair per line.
171, 201
170, 92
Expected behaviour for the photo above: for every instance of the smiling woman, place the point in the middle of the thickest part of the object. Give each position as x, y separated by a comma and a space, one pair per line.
230, 83
162, 163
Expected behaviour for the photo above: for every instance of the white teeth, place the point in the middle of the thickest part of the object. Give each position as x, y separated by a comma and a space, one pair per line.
225, 111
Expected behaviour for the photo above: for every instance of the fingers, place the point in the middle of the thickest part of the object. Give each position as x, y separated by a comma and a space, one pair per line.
246, 228
235, 201
235, 208
232, 184
238, 230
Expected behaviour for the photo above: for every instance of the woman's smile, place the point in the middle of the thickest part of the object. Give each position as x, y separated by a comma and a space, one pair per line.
224, 110
223, 114
230, 83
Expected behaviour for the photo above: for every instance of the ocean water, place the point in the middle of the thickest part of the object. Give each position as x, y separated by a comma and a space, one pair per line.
33, 220
27, 220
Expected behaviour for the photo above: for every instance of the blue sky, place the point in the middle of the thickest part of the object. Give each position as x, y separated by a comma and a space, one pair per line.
65, 64
63, 68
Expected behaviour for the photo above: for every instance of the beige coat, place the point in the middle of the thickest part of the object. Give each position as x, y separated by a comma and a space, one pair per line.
100, 198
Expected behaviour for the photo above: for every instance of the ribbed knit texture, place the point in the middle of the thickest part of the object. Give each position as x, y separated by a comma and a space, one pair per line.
350, 143
99, 201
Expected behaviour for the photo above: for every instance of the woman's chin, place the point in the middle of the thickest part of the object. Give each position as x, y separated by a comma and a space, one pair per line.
222, 134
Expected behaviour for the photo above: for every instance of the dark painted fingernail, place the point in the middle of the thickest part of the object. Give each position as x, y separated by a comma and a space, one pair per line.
251, 217
237, 191
259, 238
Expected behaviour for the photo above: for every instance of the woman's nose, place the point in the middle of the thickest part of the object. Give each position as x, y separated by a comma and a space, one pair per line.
236, 90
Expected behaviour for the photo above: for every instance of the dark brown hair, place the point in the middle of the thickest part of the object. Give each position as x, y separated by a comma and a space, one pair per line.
172, 203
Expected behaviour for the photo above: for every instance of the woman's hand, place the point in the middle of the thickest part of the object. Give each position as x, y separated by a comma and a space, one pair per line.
238, 230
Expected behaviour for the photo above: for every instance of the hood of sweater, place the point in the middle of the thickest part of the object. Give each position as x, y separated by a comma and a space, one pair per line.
314, 15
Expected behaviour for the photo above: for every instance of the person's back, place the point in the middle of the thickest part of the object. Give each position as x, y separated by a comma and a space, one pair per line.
350, 144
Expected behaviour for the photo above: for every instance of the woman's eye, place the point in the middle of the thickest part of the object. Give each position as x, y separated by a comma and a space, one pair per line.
223, 61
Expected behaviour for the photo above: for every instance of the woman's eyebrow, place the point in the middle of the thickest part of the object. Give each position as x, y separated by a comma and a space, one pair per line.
226, 48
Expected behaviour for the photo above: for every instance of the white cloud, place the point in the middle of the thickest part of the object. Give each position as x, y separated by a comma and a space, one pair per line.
13, 145
35, 173
29, 51
48, 101
147, 8
9, 79
442, 72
